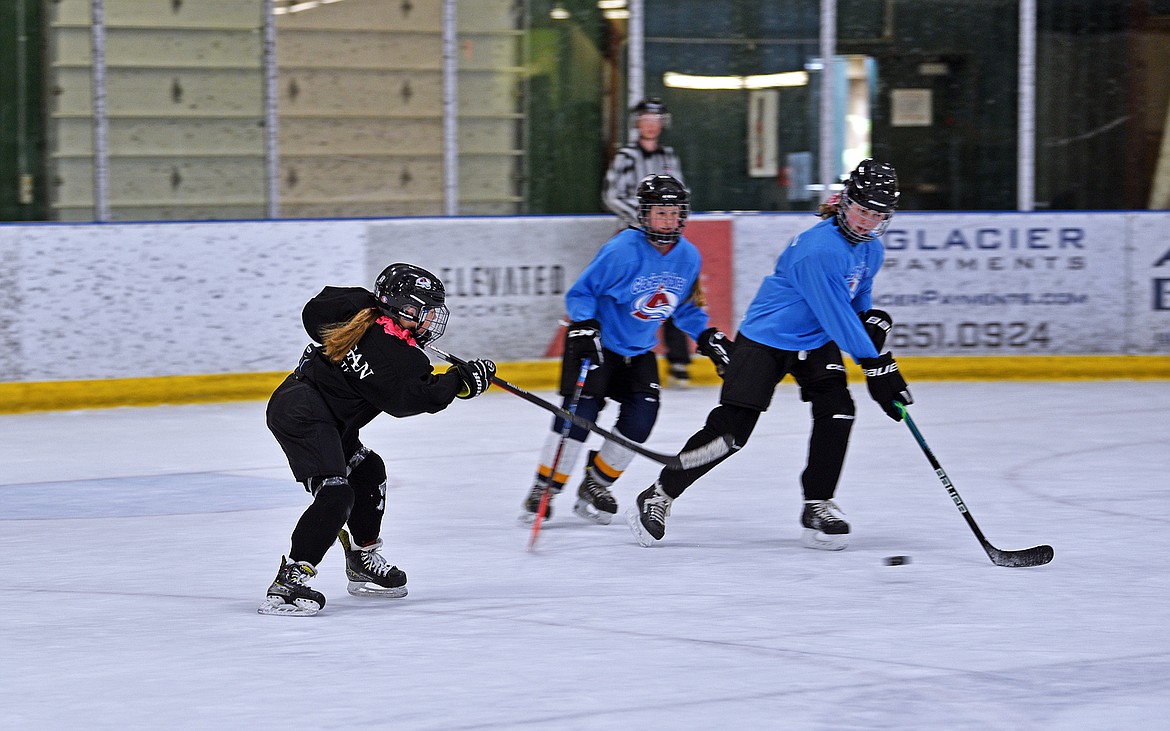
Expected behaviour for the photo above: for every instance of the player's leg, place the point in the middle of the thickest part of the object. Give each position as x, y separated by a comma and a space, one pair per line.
550, 479
747, 391
633, 384
823, 386
368, 571
302, 424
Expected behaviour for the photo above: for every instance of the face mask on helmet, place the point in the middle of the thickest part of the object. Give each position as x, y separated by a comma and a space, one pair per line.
868, 201
664, 205
416, 297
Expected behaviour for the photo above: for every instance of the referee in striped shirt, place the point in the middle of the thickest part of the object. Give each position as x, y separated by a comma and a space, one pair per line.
631, 163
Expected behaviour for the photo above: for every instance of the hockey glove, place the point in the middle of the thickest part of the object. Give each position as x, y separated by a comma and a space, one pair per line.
877, 324
886, 384
715, 344
583, 340
476, 376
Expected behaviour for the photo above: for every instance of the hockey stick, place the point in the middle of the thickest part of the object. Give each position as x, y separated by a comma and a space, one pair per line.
689, 459
566, 427
1035, 556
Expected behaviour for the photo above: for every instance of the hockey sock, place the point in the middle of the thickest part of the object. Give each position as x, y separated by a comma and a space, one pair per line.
724, 419
833, 414
637, 416
568, 458
608, 463
367, 477
317, 529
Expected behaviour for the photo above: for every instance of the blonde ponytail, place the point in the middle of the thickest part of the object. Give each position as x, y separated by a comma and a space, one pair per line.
341, 338
828, 209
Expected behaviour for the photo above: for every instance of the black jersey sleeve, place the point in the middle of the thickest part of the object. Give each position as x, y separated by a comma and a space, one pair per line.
401, 380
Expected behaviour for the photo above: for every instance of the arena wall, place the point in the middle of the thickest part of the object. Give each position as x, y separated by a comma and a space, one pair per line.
95, 315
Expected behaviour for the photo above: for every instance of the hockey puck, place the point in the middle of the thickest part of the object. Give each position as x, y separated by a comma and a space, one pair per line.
896, 560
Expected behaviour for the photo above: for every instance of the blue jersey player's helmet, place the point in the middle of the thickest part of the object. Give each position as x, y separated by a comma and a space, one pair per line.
663, 190
872, 186
407, 292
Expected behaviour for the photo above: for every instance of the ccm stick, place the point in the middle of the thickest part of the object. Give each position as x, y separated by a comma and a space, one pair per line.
1035, 556
566, 427
697, 457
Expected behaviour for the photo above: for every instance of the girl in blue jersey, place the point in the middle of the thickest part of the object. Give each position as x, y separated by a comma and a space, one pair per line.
814, 305
640, 277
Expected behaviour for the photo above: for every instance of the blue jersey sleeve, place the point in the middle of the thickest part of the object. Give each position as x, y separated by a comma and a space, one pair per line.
691, 319
581, 301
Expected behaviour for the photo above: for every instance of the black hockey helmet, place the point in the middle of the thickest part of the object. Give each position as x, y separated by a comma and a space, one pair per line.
874, 187
651, 105
407, 292
663, 190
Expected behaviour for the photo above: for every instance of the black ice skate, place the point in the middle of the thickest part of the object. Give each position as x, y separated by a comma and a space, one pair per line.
532, 502
368, 573
823, 528
647, 519
680, 375
290, 594
595, 502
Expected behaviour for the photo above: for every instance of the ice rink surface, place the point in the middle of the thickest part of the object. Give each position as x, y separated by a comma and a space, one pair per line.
138, 542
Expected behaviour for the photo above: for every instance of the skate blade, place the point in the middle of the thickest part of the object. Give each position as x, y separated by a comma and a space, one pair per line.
300, 608
373, 591
585, 510
823, 541
635, 522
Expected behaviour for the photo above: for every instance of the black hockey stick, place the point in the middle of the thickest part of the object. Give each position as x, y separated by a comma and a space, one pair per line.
1035, 556
696, 457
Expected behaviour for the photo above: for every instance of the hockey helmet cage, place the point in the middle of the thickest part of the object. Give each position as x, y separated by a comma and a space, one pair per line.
662, 190
872, 186
408, 292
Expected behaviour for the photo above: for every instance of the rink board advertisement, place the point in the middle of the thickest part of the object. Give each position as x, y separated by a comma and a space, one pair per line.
1001, 283
1148, 317
1004, 284
505, 277
136, 300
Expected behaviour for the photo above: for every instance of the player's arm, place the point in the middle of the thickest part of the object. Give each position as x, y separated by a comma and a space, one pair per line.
694, 321
829, 299
827, 295
619, 194
583, 335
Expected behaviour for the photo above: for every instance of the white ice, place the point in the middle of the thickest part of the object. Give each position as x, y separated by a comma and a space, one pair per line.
136, 545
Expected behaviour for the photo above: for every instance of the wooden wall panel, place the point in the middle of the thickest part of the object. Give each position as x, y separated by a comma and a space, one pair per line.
359, 95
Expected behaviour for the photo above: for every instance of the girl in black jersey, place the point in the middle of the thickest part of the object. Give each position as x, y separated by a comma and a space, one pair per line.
366, 359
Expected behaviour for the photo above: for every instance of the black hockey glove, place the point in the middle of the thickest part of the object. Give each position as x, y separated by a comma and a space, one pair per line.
583, 340
877, 324
476, 376
886, 384
715, 344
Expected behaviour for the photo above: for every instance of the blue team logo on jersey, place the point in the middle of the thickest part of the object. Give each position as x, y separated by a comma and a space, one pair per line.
655, 306
853, 279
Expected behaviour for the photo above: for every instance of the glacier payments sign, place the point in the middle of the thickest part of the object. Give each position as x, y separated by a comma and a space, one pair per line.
1007, 284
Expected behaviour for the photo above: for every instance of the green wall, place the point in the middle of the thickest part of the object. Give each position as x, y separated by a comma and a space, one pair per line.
22, 147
